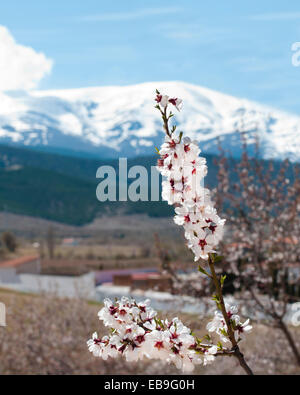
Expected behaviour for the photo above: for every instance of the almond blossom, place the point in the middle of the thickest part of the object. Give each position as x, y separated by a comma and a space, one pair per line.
136, 333
185, 170
162, 100
219, 326
176, 102
135, 330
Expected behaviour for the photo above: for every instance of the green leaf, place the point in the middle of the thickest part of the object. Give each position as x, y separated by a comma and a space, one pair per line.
200, 269
220, 345
233, 324
216, 298
223, 278
157, 150
159, 322
223, 331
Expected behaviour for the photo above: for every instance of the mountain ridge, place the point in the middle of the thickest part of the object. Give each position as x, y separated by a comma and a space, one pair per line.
113, 121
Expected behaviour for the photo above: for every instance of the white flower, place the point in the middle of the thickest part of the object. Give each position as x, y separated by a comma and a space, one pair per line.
170, 193
201, 245
184, 216
242, 329
141, 335
150, 325
133, 354
209, 355
179, 335
218, 324
170, 147
176, 102
184, 171
162, 100
95, 345
183, 362
156, 346
107, 313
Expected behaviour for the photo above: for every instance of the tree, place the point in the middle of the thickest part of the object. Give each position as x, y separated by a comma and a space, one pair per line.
50, 239
9, 241
262, 250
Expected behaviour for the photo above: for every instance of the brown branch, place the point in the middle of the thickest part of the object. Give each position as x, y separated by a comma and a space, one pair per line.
235, 348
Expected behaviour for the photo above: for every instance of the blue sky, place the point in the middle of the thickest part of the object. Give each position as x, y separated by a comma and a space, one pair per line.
239, 48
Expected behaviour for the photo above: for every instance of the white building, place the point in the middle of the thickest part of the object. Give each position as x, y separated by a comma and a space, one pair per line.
11, 269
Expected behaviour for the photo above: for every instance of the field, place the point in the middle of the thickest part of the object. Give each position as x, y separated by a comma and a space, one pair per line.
106, 243
118, 228
46, 335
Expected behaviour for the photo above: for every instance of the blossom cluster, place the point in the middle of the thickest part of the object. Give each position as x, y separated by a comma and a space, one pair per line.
164, 100
218, 324
136, 332
185, 170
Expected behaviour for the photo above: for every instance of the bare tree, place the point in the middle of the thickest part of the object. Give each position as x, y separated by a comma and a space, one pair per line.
9, 241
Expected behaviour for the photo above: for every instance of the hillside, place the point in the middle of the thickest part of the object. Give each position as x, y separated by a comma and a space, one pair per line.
47, 194
63, 188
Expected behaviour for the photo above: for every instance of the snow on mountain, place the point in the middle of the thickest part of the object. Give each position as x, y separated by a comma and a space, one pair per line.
117, 121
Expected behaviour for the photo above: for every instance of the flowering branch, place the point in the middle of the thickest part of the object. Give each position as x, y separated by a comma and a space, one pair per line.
184, 170
227, 318
135, 330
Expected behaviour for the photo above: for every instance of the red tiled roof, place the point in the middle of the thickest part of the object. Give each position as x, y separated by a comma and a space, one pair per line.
105, 276
143, 276
18, 261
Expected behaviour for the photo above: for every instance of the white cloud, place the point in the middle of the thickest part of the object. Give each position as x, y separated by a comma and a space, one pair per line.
21, 68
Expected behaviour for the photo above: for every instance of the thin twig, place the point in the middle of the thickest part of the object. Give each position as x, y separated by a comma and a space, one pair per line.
235, 347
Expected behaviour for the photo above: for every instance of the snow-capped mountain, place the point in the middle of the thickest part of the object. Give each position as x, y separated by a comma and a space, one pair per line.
121, 120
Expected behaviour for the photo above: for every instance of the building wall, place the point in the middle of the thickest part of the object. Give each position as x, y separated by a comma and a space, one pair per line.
32, 267
62, 286
8, 275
